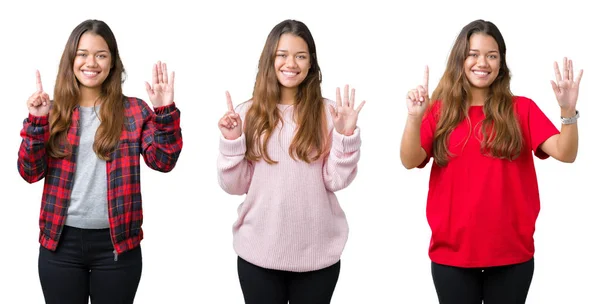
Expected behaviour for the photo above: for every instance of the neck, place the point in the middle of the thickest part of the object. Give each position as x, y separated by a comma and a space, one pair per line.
288, 95
88, 96
478, 96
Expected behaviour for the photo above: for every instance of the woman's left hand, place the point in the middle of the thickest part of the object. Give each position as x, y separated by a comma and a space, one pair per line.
345, 116
161, 92
566, 88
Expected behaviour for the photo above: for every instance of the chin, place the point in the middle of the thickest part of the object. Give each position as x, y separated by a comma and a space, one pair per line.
288, 85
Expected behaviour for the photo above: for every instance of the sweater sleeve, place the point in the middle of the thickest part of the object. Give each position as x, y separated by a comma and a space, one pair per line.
340, 166
234, 170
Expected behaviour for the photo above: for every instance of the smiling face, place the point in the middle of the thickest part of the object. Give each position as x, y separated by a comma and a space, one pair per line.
482, 64
292, 61
92, 62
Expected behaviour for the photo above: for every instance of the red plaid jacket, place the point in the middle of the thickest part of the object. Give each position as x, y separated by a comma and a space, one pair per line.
156, 135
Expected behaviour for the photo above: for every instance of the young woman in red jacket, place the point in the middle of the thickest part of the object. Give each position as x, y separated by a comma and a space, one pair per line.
86, 145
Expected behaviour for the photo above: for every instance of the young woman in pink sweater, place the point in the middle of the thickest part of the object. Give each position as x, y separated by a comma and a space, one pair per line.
288, 150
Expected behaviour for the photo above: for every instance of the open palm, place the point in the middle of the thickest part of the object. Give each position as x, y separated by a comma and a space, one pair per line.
566, 88
345, 115
161, 92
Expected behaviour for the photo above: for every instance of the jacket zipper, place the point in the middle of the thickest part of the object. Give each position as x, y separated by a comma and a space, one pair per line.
116, 254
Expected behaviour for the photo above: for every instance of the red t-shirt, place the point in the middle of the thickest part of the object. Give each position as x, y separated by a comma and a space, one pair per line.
482, 210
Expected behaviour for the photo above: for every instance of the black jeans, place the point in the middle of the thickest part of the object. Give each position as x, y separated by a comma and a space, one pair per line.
492, 285
268, 286
83, 267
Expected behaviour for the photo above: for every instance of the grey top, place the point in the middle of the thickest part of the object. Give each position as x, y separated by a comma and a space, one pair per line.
89, 206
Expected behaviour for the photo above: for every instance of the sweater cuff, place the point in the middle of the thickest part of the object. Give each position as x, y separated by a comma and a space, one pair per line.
233, 147
346, 144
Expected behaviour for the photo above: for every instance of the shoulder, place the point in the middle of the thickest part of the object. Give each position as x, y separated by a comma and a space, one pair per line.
136, 106
134, 102
326, 104
242, 108
522, 101
435, 105
523, 105
433, 109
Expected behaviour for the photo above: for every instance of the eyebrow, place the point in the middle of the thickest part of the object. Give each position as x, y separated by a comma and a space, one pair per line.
474, 50
285, 51
84, 50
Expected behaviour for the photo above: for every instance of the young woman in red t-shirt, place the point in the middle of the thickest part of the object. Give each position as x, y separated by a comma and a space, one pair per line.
483, 196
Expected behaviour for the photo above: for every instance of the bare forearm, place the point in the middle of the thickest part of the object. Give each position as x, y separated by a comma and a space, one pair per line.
411, 153
568, 140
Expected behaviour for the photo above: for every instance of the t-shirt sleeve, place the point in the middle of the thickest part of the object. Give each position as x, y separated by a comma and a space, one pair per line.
427, 132
540, 129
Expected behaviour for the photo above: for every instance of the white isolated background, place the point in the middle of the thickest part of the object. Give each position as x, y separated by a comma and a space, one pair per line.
379, 48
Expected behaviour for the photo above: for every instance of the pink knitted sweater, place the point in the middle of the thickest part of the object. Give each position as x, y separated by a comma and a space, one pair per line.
290, 218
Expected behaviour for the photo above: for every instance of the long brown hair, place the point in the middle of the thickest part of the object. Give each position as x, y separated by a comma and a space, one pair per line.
501, 133
66, 96
262, 118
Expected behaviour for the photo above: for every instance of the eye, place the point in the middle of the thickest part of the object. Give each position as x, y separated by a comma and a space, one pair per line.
281, 55
82, 54
493, 56
301, 57
102, 56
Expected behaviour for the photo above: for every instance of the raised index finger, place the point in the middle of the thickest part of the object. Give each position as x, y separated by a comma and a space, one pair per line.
38, 81
426, 78
229, 103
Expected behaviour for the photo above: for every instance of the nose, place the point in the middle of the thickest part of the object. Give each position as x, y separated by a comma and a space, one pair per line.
290, 62
90, 61
482, 61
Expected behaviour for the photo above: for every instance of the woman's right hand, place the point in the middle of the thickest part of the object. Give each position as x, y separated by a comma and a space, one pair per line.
39, 103
231, 123
417, 99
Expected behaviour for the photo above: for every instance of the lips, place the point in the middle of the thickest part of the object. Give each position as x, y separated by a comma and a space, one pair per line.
90, 73
480, 73
289, 73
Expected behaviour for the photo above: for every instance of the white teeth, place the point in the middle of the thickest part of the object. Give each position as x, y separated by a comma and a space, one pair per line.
288, 73
88, 73
480, 73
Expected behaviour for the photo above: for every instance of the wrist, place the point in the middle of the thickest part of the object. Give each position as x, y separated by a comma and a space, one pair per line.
413, 119
569, 117
567, 112
163, 109
41, 119
347, 132
232, 136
